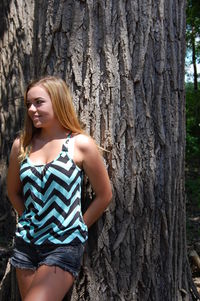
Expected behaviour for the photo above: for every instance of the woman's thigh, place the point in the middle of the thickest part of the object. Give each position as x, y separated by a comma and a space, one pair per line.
50, 283
24, 279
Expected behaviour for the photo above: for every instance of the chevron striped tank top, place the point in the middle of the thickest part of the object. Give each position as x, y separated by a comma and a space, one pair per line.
52, 194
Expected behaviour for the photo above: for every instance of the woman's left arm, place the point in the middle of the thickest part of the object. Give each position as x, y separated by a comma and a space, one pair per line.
93, 165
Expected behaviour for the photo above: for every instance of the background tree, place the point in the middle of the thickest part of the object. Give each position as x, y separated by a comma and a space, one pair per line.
193, 130
192, 93
124, 61
193, 36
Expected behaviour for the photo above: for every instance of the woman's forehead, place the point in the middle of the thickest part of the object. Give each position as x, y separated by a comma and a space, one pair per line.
37, 91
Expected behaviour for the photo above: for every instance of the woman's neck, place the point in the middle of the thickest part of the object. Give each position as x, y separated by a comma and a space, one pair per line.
52, 134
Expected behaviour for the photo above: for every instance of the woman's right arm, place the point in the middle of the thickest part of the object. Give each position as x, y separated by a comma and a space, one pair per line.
14, 186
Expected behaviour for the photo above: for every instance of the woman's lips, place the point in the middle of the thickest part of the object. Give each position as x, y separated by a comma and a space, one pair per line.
36, 118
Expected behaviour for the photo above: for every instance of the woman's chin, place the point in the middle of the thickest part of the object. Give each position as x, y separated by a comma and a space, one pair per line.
37, 124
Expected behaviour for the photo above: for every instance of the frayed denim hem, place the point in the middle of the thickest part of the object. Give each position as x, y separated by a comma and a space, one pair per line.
21, 267
74, 274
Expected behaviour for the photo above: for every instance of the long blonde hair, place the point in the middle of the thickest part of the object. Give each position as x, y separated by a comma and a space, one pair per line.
62, 106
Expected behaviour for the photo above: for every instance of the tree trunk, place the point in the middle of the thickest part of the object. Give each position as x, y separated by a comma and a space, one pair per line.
124, 61
194, 60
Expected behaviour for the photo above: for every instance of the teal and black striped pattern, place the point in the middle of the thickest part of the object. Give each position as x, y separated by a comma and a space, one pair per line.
52, 195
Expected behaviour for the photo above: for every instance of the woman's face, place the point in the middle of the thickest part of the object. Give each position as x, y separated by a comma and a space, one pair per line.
39, 107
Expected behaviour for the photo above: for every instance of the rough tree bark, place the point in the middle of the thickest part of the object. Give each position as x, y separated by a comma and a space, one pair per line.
124, 61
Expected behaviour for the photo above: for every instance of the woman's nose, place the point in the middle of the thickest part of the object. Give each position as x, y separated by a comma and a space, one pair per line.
32, 108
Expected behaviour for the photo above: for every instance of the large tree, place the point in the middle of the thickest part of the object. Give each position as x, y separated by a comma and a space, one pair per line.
124, 61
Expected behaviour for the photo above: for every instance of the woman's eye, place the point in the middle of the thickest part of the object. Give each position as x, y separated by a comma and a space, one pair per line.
36, 103
39, 101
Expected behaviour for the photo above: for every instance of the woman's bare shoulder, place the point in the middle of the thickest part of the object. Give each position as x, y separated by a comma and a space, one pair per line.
85, 142
14, 154
15, 146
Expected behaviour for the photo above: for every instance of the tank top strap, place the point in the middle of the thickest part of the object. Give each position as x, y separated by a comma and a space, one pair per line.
65, 145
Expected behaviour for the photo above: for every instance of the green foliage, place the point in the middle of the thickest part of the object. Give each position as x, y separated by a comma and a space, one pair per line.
193, 144
193, 33
192, 125
192, 95
193, 17
193, 190
192, 184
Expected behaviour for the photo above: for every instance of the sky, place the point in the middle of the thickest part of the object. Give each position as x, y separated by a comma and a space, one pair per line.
189, 72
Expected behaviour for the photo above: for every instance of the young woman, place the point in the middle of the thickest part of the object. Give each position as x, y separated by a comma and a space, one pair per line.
44, 186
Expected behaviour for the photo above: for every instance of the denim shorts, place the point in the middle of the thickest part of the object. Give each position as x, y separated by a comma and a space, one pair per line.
30, 256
